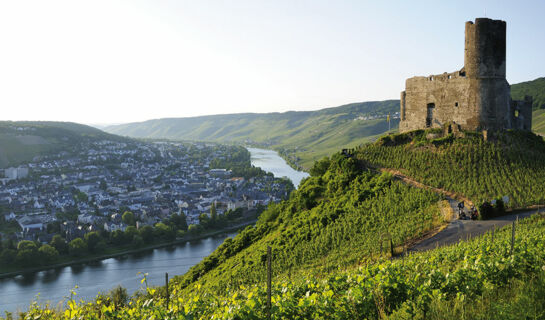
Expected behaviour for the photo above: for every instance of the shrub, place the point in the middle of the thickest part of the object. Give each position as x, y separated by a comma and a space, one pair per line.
486, 211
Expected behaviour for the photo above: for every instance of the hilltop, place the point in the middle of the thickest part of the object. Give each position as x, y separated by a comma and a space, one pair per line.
301, 136
21, 141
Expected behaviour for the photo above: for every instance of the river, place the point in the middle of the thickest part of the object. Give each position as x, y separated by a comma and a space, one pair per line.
270, 161
91, 278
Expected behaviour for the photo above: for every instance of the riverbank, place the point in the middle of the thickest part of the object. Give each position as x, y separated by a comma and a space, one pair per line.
126, 250
271, 161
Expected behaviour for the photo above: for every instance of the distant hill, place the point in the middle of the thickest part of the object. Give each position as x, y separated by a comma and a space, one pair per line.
534, 88
21, 141
302, 136
310, 135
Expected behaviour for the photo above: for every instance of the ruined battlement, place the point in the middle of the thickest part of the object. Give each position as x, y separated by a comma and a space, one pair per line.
477, 97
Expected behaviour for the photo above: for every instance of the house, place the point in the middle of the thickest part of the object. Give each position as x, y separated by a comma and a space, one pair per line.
28, 223
112, 226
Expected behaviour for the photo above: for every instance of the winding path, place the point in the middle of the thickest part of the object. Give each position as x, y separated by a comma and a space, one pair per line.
456, 229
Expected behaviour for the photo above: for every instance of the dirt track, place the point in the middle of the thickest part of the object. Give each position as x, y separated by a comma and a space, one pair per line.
457, 229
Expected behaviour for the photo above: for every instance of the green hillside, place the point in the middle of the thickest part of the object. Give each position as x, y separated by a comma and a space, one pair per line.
21, 141
508, 164
331, 250
339, 215
302, 137
309, 135
534, 88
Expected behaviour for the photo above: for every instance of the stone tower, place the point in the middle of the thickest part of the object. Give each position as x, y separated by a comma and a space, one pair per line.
475, 98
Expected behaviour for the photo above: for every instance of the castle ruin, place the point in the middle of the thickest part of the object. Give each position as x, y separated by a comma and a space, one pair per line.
477, 97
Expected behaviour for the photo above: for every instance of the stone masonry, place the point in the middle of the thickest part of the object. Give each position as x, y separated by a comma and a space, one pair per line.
477, 97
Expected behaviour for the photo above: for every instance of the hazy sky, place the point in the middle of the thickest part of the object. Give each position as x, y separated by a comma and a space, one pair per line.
112, 61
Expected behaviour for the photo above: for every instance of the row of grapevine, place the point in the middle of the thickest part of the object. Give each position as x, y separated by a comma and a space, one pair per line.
512, 164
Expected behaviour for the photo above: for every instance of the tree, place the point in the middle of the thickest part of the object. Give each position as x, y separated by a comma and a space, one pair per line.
128, 218
81, 197
54, 227
213, 213
117, 237
130, 232
7, 257
146, 233
77, 247
204, 220
195, 229
137, 241
27, 253
164, 232
92, 239
320, 167
48, 254
60, 244
119, 297
26, 244
179, 221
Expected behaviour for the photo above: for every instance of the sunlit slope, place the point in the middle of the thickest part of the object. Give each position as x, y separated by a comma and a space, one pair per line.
342, 215
534, 88
509, 164
478, 279
21, 141
309, 134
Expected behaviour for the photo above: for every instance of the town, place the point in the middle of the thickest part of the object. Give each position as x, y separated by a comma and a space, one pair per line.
89, 188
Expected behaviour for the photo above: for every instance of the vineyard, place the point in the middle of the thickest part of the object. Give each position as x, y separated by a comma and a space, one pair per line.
478, 279
332, 243
510, 164
338, 217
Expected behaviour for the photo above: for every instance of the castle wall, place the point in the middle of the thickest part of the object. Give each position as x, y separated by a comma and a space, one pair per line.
476, 97
450, 94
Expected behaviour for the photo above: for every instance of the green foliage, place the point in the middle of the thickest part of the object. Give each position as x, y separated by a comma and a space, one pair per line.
333, 220
509, 164
26, 245
486, 211
119, 296
178, 221
128, 218
27, 253
320, 167
479, 279
146, 232
195, 229
117, 237
77, 247
92, 239
7, 257
164, 232
137, 241
47, 254
534, 88
130, 233
59, 243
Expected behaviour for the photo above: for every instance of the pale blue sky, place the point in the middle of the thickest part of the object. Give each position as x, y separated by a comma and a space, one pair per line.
111, 61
